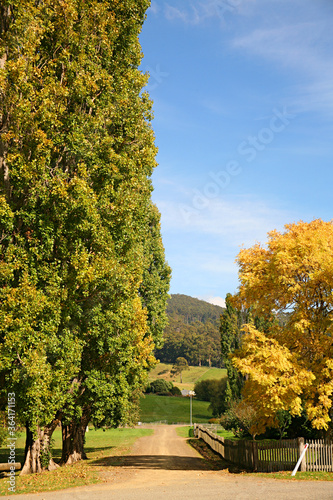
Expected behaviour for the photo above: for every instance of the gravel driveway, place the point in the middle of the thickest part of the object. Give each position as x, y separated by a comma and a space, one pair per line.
164, 466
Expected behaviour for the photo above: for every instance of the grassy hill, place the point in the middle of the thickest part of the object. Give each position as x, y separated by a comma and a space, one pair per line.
190, 377
173, 410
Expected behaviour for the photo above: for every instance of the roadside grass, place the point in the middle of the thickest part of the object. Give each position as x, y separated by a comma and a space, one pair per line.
189, 377
304, 476
173, 410
99, 446
185, 432
227, 434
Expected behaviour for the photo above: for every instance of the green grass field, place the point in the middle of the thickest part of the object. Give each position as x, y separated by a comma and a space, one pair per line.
190, 377
173, 410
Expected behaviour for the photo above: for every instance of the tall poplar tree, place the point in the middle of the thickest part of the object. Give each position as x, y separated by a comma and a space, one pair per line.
230, 328
82, 298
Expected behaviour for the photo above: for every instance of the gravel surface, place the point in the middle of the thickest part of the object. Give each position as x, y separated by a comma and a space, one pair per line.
164, 466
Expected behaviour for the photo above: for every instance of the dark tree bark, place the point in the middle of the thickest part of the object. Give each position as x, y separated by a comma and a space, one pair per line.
37, 450
73, 440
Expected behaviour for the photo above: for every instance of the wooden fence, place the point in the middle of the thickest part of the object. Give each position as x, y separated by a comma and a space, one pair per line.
262, 456
273, 456
319, 455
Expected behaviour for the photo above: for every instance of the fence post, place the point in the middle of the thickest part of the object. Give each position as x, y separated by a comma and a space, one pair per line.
255, 455
300, 445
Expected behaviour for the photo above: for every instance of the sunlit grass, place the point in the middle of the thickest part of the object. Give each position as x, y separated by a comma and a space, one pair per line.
99, 445
173, 410
189, 377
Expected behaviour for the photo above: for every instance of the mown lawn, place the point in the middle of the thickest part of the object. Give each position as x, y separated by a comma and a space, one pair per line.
99, 446
173, 410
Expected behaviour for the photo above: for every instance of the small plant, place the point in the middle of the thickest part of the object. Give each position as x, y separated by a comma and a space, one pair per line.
239, 419
46, 455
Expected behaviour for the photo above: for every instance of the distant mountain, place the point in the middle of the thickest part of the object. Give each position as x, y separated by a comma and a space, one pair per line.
192, 332
192, 309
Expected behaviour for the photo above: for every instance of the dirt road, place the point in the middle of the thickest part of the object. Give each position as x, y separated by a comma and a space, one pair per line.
163, 466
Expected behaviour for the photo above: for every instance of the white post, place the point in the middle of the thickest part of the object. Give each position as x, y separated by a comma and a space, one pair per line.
191, 393
300, 460
190, 409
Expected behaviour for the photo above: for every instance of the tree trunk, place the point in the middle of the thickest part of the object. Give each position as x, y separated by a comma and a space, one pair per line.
73, 441
38, 451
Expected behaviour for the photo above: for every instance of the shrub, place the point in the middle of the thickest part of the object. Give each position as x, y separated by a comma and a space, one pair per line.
213, 390
160, 386
218, 403
175, 391
204, 389
214, 421
239, 418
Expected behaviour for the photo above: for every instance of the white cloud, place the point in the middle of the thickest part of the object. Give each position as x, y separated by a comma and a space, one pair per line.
154, 8
294, 45
301, 49
314, 97
191, 16
198, 12
238, 220
217, 301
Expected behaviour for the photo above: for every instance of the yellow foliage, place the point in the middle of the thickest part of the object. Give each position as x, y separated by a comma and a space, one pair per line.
275, 380
292, 274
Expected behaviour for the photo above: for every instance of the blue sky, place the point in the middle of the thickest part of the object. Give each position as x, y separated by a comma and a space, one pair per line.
243, 105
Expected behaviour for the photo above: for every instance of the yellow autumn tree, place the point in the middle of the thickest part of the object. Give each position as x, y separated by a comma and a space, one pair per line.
291, 276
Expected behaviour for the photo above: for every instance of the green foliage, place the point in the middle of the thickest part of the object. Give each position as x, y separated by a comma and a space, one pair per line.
214, 391
175, 391
239, 418
232, 321
160, 385
204, 389
230, 329
284, 420
46, 455
83, 279
192, 332
192, 309
179, 366
156, 278
3, 435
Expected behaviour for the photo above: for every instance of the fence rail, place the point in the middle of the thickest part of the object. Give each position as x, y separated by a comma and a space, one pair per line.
270, 456
319, 455
278, 455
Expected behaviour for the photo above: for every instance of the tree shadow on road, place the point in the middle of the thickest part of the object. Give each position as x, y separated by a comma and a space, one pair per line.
162, 462
213, 459
209, 460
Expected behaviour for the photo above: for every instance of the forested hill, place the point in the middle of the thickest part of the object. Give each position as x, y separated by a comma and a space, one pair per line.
192, 332
191, 309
